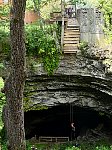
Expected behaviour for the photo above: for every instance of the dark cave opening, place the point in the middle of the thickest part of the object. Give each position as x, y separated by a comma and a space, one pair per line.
55, 121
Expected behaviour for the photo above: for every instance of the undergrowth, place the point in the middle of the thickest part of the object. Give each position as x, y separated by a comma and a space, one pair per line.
101, 144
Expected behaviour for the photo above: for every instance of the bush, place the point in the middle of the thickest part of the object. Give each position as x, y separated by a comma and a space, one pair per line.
40, 41
83, 46
103, 148
4, 146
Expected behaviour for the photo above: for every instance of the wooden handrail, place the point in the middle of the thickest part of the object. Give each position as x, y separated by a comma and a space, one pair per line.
62, 28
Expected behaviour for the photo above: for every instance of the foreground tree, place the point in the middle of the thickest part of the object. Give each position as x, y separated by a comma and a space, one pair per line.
14, 84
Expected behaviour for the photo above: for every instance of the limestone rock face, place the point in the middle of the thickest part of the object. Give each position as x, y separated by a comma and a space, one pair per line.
81, 81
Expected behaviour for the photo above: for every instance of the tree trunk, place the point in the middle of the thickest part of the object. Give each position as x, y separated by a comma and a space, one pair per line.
14, 85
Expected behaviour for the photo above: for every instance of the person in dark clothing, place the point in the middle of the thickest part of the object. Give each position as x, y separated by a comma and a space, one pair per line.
66, 11
70, 11
73, 130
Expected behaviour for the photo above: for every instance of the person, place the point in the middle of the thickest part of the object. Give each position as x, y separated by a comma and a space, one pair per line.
66, 12
70, 11
73, 130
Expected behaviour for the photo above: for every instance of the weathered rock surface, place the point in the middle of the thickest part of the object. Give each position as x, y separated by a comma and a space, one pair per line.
84, 82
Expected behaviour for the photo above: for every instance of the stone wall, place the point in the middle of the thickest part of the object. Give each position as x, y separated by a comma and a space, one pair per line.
91, 25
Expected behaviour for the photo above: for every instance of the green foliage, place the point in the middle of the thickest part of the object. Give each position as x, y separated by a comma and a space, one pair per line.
3, 136
4, 146
50, 56
103, 148
40, 41
28, 145
1, 67
94, 144
4, 29
2, 102
106, 7
74, 1
99, 145
73, 148
4, 38
83, 46
78, 1
29, 105
29, 4
4, 10
90, 144
39, 3
2, 129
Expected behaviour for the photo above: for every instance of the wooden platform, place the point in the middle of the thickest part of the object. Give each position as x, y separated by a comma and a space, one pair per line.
53, 139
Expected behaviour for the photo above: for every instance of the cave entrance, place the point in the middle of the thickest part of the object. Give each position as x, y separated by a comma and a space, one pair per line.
55, 121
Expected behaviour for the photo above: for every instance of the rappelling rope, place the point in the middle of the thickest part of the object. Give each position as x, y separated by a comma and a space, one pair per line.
71, 113
71, 108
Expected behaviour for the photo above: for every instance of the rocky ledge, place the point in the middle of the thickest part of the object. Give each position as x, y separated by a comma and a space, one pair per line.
81, 81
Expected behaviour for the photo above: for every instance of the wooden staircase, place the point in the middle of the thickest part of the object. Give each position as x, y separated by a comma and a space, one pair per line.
71, 36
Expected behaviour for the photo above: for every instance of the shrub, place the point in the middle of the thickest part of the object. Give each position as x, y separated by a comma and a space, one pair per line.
83, 46
40, 41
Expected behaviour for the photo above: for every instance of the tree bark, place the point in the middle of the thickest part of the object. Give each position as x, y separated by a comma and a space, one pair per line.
14, 85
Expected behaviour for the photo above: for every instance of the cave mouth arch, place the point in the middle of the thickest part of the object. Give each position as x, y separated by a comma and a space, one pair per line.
55, 121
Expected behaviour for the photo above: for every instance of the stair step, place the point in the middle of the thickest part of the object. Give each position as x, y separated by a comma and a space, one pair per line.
69, 30
71, 38
72, 32
70, 48
77, 29
73, 21
71, 42
70, 52
71, 35
72, 26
